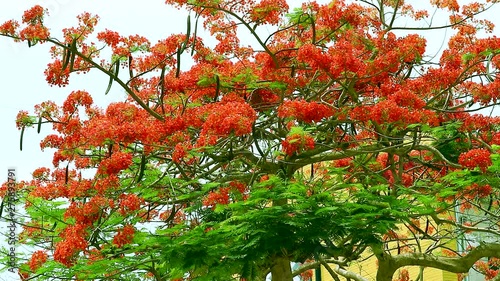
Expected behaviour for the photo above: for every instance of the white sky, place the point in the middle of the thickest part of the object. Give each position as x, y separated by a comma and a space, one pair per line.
21, 72
21, 68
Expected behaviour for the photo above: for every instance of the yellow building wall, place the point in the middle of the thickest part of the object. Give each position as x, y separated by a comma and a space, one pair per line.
368, 269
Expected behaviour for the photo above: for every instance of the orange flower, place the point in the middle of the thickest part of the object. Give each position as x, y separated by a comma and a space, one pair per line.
34, 15
473, 158
217, 197
124, 236
129, 203
9, 27
116, 163
302, 110
297, 143
73, 242
38, 258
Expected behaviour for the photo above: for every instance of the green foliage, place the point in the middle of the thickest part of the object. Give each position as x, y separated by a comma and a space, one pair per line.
325, 141
450, 141
297, 16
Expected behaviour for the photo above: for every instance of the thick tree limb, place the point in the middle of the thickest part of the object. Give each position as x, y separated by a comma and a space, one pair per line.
389, 264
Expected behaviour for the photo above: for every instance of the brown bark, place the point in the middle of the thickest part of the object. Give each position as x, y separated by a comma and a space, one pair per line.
281, 269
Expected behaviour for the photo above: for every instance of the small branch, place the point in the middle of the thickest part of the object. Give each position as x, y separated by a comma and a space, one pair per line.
438, 154
112, 75
306, 267
342, 272
463, 227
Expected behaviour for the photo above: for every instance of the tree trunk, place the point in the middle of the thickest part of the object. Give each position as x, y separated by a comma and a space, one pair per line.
384, 273
281, 270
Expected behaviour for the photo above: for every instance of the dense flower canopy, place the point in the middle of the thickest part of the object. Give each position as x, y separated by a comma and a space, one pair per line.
321, 142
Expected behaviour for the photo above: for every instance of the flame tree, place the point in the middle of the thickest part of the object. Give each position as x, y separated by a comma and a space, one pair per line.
333, 137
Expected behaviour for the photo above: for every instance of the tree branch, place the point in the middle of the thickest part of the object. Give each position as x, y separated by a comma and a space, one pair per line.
389, 264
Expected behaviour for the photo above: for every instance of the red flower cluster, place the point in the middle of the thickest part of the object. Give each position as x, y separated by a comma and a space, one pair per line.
124, 236
262, 99
162, 53
23, 120
82, 213
34, 15
116, 163
86, 24
269, 11
50, 190
34, 33
478, 122
217, 197
389, 111
239, 186
487, 268
297, 143
75, 99
306, 275
406, 178
41, 173
122, 122
344, 162
111, 38
47, 109
304, 111
95, 205
404, 275
123, 46
406, 98
314, 56
9, 27
54, 75
72, 243
35, 30
108, 183
478, 191
230, 118
451, 5
38, 258
473, 158
129, 203
181, 154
